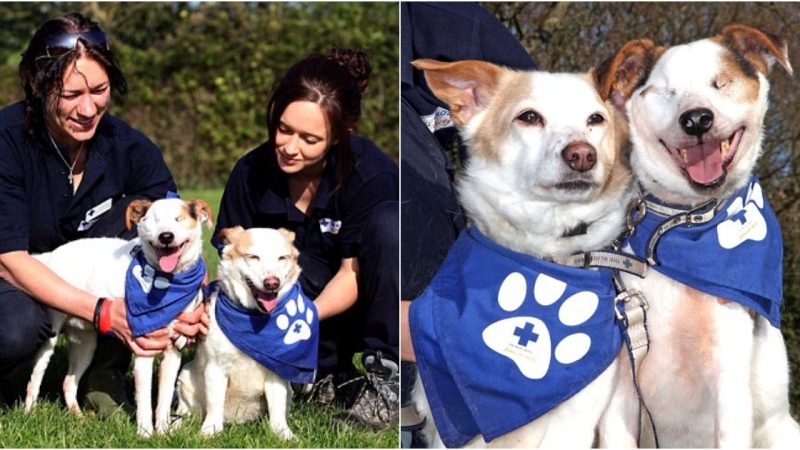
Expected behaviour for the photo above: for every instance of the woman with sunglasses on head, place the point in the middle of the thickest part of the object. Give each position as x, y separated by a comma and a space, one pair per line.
339, 194
68, 170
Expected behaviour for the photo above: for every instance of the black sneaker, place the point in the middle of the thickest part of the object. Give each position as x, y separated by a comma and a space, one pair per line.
376, 403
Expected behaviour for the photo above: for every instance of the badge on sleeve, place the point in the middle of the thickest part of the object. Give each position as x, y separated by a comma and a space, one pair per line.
94, 214
327, 225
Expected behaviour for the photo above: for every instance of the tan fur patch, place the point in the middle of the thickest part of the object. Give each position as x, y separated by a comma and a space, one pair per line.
187, 218
135, 211
732, 78
512, 88
697, 318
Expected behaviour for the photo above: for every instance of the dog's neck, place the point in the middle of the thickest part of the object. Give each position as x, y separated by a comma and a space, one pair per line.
545, 229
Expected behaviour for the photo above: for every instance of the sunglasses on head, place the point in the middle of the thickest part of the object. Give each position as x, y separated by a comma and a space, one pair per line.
58, 45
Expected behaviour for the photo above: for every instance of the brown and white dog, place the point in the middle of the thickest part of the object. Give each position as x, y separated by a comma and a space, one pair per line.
170, 232
257, 270
716, 374
545, 158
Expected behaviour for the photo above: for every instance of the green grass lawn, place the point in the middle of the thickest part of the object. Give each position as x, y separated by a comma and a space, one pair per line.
51, 426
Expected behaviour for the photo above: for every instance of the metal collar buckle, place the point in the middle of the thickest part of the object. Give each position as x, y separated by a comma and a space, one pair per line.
629, 296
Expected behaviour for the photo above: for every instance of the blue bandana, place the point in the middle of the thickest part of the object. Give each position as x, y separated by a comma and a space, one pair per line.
154, 298
284, 341
502, 338
736, 255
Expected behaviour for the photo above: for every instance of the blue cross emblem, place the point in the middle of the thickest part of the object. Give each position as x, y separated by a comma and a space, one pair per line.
627, 263
526, 334
297, 327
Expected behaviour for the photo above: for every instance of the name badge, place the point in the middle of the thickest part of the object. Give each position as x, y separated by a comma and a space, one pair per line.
440, 118
94, 214
330, 226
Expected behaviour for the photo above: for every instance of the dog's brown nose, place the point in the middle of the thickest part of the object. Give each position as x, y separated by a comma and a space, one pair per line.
579, 156
166, 238
272, 283
696, 122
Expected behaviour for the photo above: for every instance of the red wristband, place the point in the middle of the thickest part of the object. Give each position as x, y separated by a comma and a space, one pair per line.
104, 322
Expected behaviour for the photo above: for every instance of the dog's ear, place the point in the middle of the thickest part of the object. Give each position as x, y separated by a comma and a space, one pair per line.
200, 210
228, 235
466, 86
618, 76
289, 235
759, 48
136, 210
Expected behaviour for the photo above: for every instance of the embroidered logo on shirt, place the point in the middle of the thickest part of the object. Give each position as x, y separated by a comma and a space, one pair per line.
94, 214
438, 120
525, 340
744, 222
331, 226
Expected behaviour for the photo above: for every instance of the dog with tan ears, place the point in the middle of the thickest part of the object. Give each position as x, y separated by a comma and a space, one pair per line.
516, 337
159, 274
716, 373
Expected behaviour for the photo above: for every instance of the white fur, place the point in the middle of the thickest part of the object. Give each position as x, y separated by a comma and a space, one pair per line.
509, 190
222, 381
714, 376
99, 266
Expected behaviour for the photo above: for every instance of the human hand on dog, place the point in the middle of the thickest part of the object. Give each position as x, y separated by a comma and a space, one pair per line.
192, 324
151, 344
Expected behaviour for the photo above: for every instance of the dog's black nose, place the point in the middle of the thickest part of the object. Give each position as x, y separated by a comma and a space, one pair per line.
697, 122
579, 156
272, 283
166, 238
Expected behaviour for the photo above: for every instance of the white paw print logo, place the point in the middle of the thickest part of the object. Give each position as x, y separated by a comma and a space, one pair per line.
300, 329
742, 226
147, 281
526, 340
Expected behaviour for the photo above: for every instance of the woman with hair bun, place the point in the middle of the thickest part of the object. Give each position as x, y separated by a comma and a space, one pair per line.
339, 194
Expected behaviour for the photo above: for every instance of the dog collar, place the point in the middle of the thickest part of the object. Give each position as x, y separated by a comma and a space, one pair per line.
732, 249
545, 329
284, 341
153, 299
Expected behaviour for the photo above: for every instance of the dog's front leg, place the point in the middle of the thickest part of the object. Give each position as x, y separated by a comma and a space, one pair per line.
734, 414
168, 374
143, 378
277, 391
216, 385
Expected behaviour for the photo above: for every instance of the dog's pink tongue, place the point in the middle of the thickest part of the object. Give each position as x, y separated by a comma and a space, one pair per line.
269, 302
705, 162
168, 260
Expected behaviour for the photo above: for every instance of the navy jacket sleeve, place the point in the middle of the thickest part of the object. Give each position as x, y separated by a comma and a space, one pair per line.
13, 200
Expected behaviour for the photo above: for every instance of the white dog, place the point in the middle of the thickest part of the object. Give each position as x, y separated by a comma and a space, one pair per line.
263, 334
716, 372
169, 246
545, 180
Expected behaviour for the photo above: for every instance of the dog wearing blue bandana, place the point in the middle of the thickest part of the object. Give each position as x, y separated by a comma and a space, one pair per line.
716, 373
159, 274
513, 348
264, 334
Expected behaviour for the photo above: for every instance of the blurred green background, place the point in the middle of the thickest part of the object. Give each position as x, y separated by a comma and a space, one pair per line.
200, 74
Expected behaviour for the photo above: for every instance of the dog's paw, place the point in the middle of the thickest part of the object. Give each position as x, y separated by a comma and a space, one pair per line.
526, 340
300, 318
210, 428
283, 432
745, 220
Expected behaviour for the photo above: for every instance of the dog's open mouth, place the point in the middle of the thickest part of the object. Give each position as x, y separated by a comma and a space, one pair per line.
168, 257
706, 163
267, 300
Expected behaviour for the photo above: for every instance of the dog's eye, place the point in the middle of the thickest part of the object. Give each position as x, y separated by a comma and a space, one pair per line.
595, 119
253, 257
720, 82
531, 117
283, 258
179, 218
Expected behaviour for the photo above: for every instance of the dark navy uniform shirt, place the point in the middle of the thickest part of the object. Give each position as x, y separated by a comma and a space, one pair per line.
257, 196
38, 210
